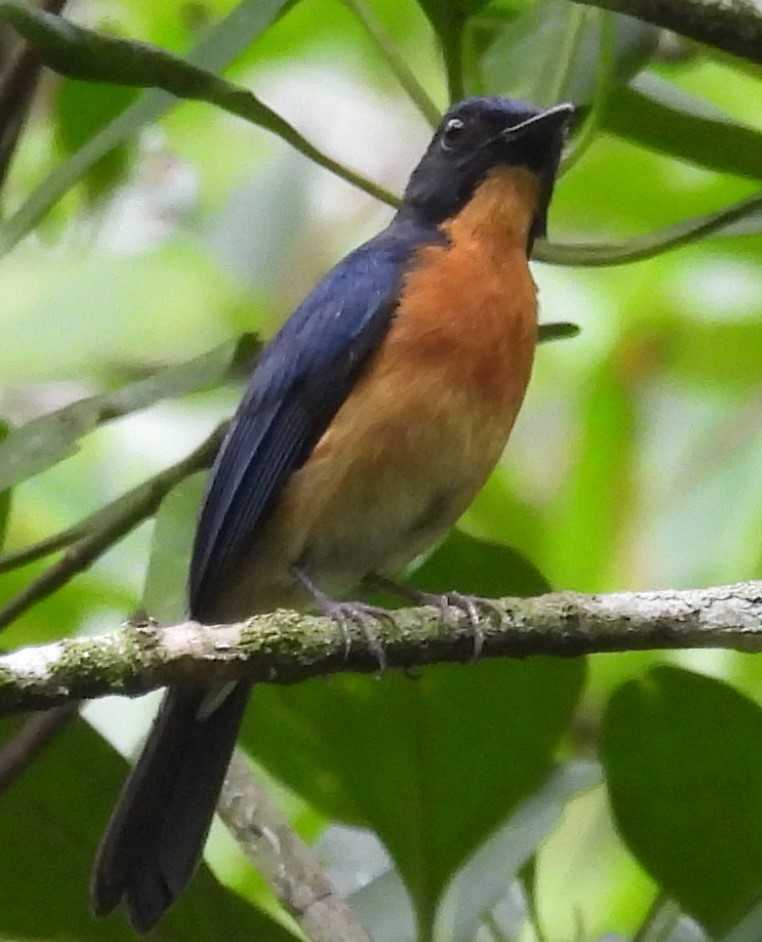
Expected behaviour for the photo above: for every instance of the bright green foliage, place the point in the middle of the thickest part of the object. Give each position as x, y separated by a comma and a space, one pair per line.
141, 238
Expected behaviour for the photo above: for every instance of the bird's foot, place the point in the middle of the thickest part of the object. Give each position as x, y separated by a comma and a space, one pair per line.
346, 614
474, 607
366, 618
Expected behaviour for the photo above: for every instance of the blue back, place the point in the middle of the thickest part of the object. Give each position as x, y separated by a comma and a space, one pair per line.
300, 381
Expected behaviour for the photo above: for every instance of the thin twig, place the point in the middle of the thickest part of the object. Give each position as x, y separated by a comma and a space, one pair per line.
283, 859
287, 647
17, 92
30, 739
394, 59
113, 523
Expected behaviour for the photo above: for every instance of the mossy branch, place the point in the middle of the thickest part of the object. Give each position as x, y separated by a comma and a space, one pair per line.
286, 647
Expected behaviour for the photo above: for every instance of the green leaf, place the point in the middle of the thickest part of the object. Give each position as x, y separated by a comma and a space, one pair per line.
216, 50
550, 53
85, 54
449, 19
594, 500
399, 753
5, 492
31, 448
560, 330
80, 111
726, 355
683, 760
484, 880
165, 589
656, 114
479, 567
51, 820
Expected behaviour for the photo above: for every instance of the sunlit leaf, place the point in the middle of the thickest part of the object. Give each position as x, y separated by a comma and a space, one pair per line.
96, 57
217, 49
33, 447
164, 591
726, 355
594, 500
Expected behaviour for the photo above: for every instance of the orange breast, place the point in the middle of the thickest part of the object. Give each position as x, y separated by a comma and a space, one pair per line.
427, 422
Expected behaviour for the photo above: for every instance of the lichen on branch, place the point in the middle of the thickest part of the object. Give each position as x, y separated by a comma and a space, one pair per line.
286, 647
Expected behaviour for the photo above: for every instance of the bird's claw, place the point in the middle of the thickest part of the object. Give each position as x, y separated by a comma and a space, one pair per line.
474, 607
365, 617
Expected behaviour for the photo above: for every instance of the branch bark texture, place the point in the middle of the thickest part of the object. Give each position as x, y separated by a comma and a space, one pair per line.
735, 26
286, 862
286, 647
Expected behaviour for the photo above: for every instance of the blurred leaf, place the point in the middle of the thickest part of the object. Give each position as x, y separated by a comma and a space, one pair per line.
484, 880
398, 754
478, 567
50, 822
216, 50
31, 448
561, 330
449, 18
96, 57
164, 592
74, 315
594, 499
384, 906
683, 759
657, 114
80, 111
550, 53
749, 929
726, 354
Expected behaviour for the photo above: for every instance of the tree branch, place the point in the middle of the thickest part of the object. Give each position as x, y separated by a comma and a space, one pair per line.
283, 859
286, 647
735, 26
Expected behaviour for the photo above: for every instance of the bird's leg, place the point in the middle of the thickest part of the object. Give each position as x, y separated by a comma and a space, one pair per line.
363, 615
472, 606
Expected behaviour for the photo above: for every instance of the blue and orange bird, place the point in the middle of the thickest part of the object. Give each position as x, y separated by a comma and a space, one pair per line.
371, 421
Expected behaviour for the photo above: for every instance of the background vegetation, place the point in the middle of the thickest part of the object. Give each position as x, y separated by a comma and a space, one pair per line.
541, 800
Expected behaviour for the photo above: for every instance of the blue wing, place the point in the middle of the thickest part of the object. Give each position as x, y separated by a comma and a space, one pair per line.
300, 381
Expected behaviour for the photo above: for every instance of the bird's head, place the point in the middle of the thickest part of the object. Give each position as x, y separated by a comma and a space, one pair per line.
480, 135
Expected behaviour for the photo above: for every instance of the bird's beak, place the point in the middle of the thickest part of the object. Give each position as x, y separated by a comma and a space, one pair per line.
555, 119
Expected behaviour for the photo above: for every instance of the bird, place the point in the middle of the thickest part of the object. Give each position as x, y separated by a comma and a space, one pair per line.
369, 424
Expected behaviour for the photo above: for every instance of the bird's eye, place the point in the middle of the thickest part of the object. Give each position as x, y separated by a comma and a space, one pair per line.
452, 133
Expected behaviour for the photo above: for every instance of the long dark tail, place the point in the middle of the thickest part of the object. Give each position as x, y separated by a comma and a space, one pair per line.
158, 828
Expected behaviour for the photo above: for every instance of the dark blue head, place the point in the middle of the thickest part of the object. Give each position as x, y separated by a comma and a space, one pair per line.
478, 135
